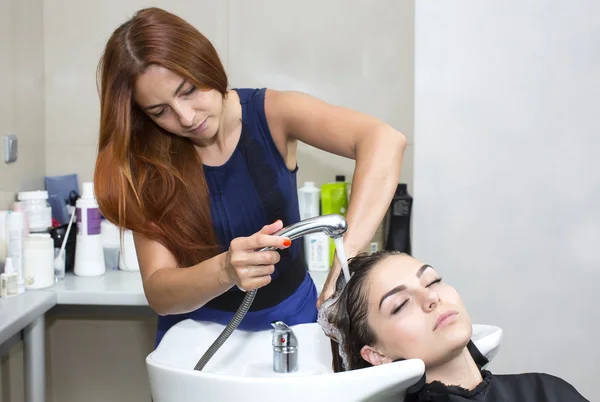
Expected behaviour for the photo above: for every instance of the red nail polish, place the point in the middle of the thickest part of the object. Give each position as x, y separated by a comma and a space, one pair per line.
287, 242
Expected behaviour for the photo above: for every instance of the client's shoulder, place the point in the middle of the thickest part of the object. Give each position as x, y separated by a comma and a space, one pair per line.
538, 387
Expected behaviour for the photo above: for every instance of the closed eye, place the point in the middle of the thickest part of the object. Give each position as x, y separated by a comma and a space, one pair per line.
190, 91
399, 307
162, 111
438, 280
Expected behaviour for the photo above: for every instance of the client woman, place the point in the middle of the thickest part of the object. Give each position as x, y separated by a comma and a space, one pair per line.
395, 307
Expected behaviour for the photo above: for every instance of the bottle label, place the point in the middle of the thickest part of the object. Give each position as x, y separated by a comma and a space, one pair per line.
94, 221
92, 224
319, 252
8, 285
15, 249
78, 221
401, 208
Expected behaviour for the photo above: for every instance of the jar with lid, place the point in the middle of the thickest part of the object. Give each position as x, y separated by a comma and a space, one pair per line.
38, 211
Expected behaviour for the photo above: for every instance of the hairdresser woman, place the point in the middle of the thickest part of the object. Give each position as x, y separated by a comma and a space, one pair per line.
204, 175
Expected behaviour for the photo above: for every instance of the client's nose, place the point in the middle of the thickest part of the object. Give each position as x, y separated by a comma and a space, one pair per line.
431, 300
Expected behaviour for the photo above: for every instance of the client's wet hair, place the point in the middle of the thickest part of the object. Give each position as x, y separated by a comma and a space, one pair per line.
348, 310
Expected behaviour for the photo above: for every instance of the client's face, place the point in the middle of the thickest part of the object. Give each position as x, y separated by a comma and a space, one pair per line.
413, 314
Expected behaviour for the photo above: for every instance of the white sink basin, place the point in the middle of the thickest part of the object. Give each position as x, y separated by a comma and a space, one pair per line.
242, 368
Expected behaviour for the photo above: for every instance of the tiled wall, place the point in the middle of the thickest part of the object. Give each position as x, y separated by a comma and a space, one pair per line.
348, 52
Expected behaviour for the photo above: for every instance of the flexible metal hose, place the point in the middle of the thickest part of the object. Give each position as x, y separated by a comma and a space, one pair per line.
332, 225
233, 324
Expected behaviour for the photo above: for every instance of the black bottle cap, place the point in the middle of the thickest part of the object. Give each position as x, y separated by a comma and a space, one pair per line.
401, 189
340, 177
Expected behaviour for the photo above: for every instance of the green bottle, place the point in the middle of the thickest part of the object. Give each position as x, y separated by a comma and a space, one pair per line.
334, 200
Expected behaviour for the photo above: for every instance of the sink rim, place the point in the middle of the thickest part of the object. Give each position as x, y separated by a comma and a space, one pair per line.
480, 331
412, 367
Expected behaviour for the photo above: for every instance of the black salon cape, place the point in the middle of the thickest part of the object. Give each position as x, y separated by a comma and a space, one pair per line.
529, 387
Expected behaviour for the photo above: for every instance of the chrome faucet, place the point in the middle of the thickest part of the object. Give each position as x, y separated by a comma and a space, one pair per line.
285, 343
334, 226
285, 348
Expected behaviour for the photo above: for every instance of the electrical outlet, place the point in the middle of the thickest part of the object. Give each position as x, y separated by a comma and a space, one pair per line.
11, 148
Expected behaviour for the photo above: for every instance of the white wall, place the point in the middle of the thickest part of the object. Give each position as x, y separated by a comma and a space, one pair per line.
74, 45
349, 53
345, 52
507, 174
21, 95
21, 113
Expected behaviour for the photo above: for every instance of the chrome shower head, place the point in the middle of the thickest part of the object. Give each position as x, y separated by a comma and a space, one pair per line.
333, 225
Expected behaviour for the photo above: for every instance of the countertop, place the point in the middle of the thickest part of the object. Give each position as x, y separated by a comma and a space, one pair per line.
114, 288
19, 311
117, 288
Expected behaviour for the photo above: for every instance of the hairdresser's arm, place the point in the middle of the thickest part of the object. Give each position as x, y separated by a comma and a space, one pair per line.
171, 289
376, 147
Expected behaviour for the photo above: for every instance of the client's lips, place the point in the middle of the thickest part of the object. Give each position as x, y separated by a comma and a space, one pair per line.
444, 318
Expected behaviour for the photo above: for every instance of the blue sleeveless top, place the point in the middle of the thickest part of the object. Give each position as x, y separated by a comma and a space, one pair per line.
252, 189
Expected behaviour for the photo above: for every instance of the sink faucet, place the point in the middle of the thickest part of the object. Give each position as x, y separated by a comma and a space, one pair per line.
333, 225
285, 348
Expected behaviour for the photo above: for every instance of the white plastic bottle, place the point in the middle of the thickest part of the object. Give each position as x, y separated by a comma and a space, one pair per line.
316, 245
89, 253
15, 225
309, 198
3, 238
8, 280
316, 252
111, 243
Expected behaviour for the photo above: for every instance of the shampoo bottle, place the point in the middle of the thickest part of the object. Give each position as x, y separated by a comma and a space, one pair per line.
309, 200
89, 253
316, 245
398, 237
334, 200
3, 239
15, 225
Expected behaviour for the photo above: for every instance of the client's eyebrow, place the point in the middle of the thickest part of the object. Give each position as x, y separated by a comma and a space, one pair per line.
400, 288
395, 290
423, 268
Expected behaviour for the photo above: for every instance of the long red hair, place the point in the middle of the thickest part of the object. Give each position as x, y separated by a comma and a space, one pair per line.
147, 179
